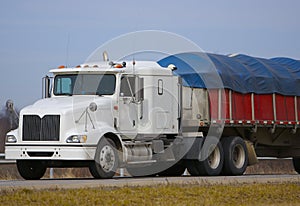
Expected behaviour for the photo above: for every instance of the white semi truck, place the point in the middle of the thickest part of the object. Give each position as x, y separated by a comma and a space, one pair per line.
138, 116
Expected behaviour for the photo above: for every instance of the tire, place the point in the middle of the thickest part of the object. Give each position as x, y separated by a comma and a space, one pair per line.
296, 163
31, 169
93, 171
236, 156
106, 160
213, 155
175, 170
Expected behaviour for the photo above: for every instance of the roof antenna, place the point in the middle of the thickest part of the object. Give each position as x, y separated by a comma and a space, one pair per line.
67, 49
133, 66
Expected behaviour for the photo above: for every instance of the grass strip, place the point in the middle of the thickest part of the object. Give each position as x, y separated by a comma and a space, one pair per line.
173, 194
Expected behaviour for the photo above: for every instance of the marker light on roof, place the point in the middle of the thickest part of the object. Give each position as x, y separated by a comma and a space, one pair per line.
118, 66
61, 67
78, 66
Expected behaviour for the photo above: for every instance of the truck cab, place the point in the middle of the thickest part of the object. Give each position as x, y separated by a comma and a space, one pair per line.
102, 116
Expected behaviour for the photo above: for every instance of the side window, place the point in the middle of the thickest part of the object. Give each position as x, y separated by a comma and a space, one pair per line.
107, 85
127, 86
64, 86
160, 89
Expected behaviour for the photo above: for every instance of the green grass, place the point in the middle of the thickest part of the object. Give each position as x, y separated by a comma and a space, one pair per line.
245, 194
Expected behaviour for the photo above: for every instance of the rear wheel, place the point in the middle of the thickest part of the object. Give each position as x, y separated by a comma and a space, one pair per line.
211, 163
106, 160
236, 156
296, 163
31, 169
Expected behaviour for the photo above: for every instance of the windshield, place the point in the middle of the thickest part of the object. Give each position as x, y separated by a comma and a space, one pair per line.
84, 84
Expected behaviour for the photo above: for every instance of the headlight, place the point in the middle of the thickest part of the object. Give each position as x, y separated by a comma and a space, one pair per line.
77, 139
11, 139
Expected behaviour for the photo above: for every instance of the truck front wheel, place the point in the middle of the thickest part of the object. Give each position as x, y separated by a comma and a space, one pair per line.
296, 163
31, 169
106, 160
236, 156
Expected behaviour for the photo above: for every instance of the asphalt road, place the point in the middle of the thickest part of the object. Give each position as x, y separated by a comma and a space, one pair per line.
128, 181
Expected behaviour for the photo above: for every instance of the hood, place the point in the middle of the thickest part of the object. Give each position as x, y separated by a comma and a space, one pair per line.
62, 105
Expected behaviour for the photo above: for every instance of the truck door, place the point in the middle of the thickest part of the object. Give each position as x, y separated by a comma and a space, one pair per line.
128, 108
165, 100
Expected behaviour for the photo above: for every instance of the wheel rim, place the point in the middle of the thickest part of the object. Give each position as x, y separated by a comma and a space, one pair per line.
107, 158
214, 157
238, 156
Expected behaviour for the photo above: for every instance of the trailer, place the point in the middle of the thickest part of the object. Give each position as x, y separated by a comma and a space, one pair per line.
210, 114
259, 101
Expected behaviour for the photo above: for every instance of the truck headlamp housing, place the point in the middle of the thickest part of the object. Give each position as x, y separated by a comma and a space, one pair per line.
77, 139
11, 139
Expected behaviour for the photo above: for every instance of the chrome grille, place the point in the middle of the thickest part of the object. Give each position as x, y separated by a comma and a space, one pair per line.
41, 129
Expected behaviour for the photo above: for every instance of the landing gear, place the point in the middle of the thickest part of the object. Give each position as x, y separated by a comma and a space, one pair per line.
106, 160
31, 169
236, 156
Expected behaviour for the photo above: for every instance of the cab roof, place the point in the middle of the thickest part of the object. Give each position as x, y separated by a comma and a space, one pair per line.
138, 67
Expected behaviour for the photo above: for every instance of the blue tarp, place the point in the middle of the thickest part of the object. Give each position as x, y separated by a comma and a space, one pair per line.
241, 73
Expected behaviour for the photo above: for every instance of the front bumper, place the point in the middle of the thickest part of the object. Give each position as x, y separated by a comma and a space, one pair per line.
35, 152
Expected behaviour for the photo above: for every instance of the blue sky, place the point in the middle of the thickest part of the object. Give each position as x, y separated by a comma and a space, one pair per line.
34, 34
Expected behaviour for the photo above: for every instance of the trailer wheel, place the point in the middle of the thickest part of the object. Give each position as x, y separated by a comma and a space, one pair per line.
296, 163
212, 165
106, 160
236, 156
175, 170
30, 169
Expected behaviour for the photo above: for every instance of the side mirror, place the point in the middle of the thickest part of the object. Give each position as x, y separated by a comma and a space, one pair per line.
46, 87
139, 86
